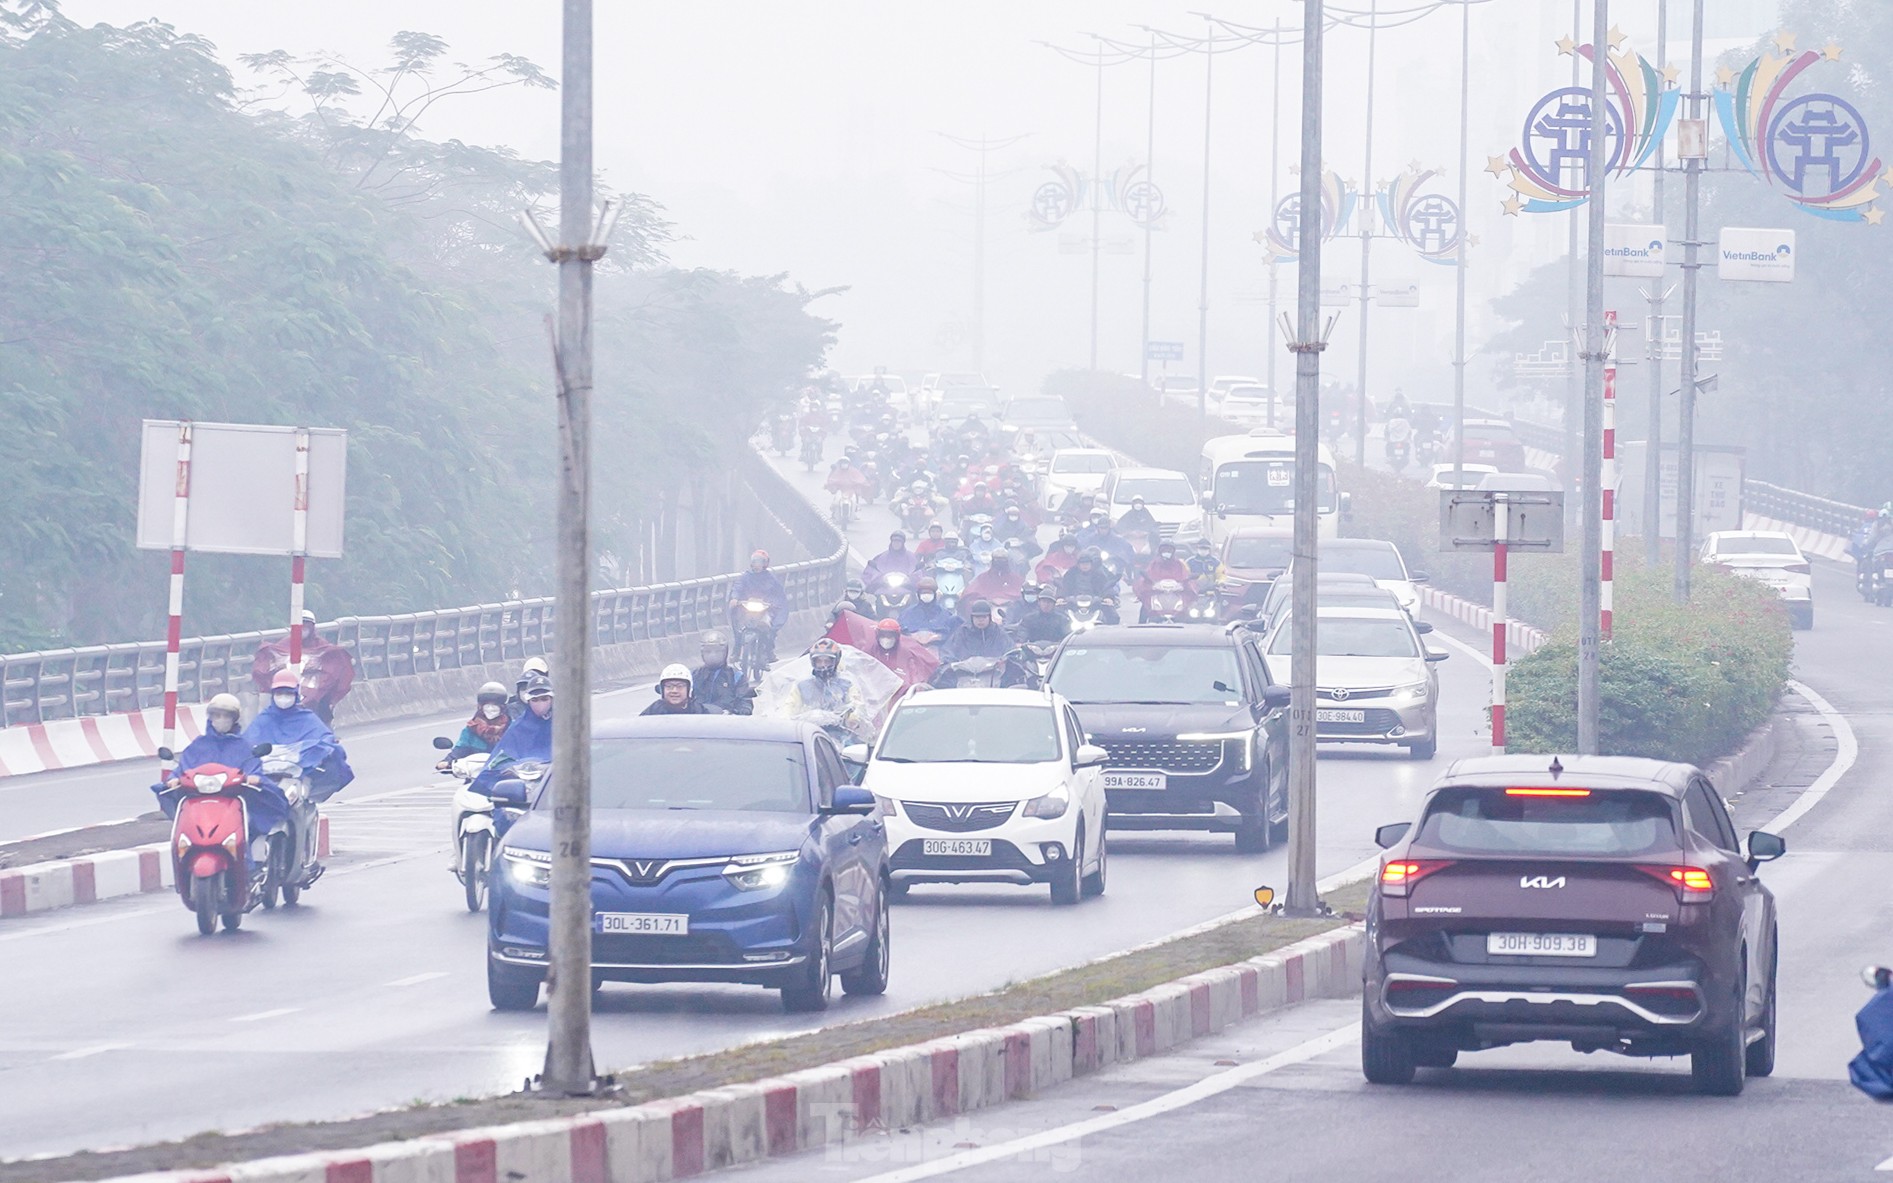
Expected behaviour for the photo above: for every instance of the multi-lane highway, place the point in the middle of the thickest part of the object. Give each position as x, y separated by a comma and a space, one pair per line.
373, 995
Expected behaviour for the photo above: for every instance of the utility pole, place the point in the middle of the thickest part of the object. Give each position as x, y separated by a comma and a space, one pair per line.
568, 1068
1202, 297
1693, 164
985, 146
1459, 277
1150, 171
1653, 439
1367, 239
1574, 385
1596, 352
1097, 196
1308, 342
1275, 198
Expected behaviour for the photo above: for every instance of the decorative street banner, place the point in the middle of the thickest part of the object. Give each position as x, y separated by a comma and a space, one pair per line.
1282, 239
1813, 147
1427, 222
1125, 192
1551, 169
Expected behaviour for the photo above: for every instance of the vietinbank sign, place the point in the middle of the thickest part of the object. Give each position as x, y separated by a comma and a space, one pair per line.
1755, 255
1634, 250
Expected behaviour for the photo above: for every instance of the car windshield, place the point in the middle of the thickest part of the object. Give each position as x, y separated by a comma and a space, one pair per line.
1155, 490
1259, 552
1505, 822
1375, 562
1267, 486
970, 733
1343, 637
1081, 462
652, 772
1147, 674
1755, 544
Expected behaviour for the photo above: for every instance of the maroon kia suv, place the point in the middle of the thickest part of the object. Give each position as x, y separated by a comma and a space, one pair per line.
1601, 901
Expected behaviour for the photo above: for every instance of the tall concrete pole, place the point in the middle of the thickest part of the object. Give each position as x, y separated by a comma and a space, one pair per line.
568, 1068
1367, 240
979, 261
1275, 198
1097, 201
1653, 438
1590, 567
1573, 307
1202, 296
1150, 171
1302, 899
1459, 278
1692, 267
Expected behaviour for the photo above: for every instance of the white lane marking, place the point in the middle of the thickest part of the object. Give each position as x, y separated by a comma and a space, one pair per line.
86, 1052
1847, 750
1885, 1166
417, 979
1209, 1086
259, 1016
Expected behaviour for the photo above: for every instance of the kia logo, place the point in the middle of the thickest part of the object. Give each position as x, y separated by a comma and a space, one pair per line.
1541, 881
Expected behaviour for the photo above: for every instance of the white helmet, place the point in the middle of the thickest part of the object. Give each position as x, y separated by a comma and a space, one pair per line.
674, 672
225, 704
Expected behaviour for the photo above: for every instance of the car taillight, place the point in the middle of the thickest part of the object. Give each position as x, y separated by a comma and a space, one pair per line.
1547, 792
1397, 876
1692, 884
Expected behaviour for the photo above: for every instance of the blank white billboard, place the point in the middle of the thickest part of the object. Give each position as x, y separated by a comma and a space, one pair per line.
242, 489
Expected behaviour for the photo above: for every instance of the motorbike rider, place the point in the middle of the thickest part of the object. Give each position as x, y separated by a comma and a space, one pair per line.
1109, 544
760, 583
952, 548
329, 668
223, 743
1166, 566
1138, 517
1062, 557
1203, 565
1397, 408
910, 660
488, 724
854, 598
895, 560
927, 614
930, 545
1092, 578
979, 637
997, 584
1042, 623
534, 667
285, 722
676, 694
1012, 527
825, 698
529, 738
983, 544
717, 683
844, 477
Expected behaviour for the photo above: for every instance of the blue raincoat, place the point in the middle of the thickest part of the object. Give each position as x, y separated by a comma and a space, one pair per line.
324, 762
529, 738
1872, 1070
267, 806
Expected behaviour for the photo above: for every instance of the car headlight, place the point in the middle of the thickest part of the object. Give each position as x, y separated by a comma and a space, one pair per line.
1410, 690
1190, 528
529, 868
886, 806
757, 872
1051, 805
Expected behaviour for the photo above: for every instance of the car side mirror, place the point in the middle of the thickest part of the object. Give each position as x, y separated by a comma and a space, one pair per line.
443, 743
511, 791
1276, 697
1422, 626
1417, 577
849, 799
166, 754
1388, 836
856, 753
1437, 655
262, 749
1090, 755
1764, 847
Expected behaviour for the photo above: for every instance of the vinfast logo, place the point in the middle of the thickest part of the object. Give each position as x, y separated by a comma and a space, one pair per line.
1541, 881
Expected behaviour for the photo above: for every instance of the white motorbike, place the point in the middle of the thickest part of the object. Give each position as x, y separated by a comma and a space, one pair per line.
477, 825
294, 865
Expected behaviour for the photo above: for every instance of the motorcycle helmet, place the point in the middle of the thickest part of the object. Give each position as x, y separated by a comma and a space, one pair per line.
537, 688
1166, 549
534, 665
979, 608
824, 658
224, 705
899, 536
491, 692
1090, 554
676, 671
1030, 593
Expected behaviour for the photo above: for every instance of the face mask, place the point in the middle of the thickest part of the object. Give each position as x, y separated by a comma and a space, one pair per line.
491, 710
926, 597
887, 642
223, 724
284, 700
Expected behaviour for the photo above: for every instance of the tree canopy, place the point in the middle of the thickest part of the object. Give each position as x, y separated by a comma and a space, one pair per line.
174, 250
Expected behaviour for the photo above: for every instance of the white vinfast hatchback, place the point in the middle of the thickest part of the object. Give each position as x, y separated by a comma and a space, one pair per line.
989, 786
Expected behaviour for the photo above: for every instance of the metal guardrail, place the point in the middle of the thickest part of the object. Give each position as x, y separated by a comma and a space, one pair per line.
1803, 509
105, 679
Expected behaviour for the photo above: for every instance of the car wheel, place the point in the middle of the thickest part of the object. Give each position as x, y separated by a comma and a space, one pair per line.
1717, 1064
1760, 1057
1254, 834
812, 992
1094, 882
870, 977
1426, 749
1386, 1056
1066, 885
511, 987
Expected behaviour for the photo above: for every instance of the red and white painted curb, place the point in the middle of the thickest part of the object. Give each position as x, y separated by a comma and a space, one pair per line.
41, 887
96, 739
941, 1079
1519, 636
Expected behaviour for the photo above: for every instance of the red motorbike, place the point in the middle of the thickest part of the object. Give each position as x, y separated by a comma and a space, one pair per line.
210, 849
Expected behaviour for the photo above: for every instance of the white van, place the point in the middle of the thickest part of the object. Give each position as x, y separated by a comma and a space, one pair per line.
1249, 480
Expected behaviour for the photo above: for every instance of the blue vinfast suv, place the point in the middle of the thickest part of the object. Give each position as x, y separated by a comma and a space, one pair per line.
724, 849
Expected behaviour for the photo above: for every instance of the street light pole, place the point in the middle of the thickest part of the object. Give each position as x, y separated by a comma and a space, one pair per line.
1097, 207
1653, 439
1150, 171
1596, 350
1202, 298
1367, 239
1307, 346
1459, 279
1692, 266
1574, 385
568, 1066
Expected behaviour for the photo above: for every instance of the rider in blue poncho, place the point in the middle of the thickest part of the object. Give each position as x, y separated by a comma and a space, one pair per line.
223, 743
529, 738
285, 722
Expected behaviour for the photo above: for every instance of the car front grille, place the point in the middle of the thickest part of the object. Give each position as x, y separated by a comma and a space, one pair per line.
959, 817
1166, 755
1004, 857
640, 949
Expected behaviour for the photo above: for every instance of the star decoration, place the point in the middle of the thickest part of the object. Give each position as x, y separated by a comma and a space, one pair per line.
1886, 178
1496, 166
1725, 76
1511, 206
1874, 215
1566, 46
1414, 166
1671, 74
1831, 51
1617, 37
1261, 236
1472, 240
1784, 41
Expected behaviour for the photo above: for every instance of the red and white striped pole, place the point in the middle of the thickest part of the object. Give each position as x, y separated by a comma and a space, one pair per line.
1501, 529
1609, 477
299, 549
174, 630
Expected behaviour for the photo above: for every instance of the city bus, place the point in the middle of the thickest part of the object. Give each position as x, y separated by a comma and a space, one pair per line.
1249, 480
